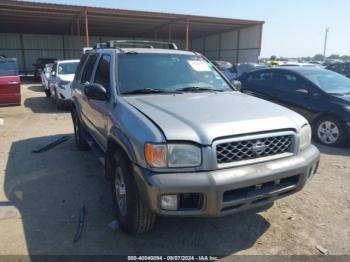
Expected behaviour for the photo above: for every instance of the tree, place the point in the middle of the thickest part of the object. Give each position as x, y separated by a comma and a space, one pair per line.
318, 57
334, 57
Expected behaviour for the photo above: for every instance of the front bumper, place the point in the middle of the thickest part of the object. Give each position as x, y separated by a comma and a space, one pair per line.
228, 191
64, 94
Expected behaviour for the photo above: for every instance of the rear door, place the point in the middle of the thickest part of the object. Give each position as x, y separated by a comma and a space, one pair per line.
259, 84
10, 83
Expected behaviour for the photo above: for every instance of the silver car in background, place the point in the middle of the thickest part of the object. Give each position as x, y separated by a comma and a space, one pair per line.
62, 75
45, 78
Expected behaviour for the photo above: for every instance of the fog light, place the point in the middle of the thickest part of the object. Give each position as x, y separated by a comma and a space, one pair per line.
169, 202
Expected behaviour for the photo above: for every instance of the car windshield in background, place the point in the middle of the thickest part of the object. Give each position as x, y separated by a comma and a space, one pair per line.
167, 73
224, 65
328, 81
8, 68
67, 68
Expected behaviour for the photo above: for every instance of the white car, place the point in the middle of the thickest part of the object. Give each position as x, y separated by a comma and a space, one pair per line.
62, 75
45, 78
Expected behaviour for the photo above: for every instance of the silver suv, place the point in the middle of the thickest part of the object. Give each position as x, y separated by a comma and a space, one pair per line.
177, 139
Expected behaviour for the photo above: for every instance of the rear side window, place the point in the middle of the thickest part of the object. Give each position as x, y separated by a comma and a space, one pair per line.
102, 75
8, 68
261, 79
88, 68
82, 61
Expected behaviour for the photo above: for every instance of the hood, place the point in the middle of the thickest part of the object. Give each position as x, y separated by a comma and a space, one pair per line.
203, 117
69, 77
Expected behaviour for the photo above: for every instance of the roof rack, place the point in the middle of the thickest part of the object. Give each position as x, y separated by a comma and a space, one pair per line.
135, 43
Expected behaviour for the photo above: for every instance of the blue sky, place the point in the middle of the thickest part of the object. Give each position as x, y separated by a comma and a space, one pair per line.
293, 27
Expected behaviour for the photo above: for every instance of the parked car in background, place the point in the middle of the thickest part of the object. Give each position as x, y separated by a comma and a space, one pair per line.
300, 64
62, 75
178, 140
341, 68
10, 82
244, 68
320, 95
227, 69
39, 66
45, 78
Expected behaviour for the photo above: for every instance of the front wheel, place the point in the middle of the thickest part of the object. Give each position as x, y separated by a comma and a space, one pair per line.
331, 132
79, 133
133, 215
47, 92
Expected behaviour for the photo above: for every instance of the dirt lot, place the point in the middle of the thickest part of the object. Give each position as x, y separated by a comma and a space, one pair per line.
41, 195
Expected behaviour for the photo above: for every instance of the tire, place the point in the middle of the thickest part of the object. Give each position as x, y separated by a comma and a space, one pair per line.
79, 133
59, 103
47, 92
133, 215
331, 132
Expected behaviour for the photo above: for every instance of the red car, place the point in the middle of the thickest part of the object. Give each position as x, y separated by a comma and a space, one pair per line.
10, 83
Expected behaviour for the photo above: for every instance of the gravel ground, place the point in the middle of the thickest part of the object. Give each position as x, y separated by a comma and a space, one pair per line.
41, 195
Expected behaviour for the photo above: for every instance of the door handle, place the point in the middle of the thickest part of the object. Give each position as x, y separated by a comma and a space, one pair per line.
12, 83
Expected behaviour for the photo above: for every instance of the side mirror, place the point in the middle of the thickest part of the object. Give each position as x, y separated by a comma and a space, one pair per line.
237, 84
302, 92
95, 92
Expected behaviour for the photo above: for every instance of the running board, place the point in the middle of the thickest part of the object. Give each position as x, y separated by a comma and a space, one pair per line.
95, 148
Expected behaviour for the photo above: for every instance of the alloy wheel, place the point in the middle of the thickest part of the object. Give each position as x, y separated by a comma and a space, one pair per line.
120, 192
328, 132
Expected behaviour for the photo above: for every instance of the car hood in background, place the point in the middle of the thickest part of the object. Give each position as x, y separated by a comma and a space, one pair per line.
69, 77
203, 117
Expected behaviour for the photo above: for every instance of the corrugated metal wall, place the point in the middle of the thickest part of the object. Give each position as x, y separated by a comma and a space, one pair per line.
28, 47
237, 46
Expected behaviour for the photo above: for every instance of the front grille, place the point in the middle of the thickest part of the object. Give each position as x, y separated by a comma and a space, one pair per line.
253, 148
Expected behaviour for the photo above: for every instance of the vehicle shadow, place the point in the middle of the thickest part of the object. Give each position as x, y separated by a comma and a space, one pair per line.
50, 188
335, 151
42, 104
36, 88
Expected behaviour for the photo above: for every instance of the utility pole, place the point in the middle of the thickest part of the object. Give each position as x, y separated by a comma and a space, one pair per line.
325, 42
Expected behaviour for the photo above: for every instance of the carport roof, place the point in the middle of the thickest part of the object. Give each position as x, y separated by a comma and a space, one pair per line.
43, 18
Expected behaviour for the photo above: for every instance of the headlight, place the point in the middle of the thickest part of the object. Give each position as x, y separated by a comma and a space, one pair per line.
63, 84
173, 155
305, 137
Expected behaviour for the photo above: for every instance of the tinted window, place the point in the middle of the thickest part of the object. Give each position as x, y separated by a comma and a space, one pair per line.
8, 68
263, 79
102, 75
329, 81
88, 68
67, 68
167, 72
81, 63
289, 82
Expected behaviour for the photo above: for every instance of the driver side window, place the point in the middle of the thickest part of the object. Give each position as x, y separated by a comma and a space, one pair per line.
102, 75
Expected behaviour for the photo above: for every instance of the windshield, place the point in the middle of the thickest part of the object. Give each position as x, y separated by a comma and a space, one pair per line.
224, 65
329, 81
67, 68
8, 68
168, 73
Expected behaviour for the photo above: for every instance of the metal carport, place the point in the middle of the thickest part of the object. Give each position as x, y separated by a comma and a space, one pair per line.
31, 30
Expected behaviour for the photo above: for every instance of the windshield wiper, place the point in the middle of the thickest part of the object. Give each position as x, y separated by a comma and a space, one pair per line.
198, 89
148, 91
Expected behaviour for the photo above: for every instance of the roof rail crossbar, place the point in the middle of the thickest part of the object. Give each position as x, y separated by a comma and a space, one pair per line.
136, 43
